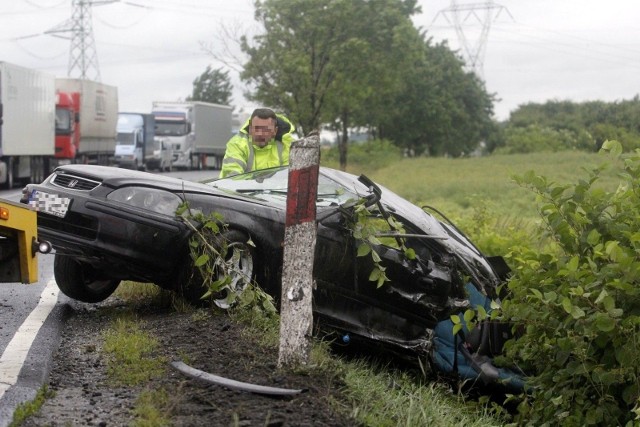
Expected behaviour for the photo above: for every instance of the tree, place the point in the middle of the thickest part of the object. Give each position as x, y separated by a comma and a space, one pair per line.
212, 86
324, 61
439, 109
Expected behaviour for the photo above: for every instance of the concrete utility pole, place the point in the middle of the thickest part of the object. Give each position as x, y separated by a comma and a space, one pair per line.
296, 318
83, 57
462, 17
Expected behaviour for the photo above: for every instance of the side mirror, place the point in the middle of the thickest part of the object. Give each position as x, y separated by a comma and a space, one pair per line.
376, 193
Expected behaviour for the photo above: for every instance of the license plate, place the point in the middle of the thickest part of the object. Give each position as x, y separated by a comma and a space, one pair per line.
49, 203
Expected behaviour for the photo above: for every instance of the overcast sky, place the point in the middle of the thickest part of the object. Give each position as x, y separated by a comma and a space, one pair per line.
152, 50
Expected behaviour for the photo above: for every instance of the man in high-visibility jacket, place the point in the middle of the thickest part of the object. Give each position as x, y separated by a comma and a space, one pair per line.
262, 142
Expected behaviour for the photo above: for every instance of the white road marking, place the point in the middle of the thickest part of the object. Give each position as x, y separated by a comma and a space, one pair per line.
15, 354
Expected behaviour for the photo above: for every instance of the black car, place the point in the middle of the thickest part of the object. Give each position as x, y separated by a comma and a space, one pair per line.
108, 224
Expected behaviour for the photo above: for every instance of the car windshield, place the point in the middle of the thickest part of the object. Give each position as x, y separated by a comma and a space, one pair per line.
272, 185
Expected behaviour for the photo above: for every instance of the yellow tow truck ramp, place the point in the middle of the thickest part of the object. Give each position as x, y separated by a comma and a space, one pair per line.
19, 243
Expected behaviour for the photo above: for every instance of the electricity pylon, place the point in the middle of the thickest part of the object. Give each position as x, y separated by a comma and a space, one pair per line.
464, 16
83, 56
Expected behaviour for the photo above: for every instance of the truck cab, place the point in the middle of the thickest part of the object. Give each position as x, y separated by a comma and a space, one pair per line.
67, 119
174, 126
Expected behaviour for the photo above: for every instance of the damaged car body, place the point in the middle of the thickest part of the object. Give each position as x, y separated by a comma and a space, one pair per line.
108, 224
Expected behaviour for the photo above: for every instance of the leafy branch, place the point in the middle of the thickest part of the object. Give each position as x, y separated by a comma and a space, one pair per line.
366, 228
210, 250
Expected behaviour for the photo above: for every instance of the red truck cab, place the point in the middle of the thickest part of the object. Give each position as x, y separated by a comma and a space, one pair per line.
67, 123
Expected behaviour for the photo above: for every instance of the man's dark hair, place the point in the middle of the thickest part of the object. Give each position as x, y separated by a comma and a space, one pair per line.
267, 113
264, 113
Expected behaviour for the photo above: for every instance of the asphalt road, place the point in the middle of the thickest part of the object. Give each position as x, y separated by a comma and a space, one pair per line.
31, 318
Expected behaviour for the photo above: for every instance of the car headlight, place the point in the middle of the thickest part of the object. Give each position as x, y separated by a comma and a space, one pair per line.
151, 199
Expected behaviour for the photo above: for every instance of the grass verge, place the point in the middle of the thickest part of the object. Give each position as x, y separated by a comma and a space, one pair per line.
25, 410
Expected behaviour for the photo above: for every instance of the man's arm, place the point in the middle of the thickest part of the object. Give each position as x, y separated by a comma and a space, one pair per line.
235, 156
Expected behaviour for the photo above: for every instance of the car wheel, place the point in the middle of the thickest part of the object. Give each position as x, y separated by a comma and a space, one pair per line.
81, 281
240, 259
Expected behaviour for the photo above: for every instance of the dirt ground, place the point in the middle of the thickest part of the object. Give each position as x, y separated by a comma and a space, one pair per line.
214, 344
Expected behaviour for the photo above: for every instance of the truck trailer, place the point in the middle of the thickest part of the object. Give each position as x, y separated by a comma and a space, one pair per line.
27, 121
86, 119
135, 140
198, 131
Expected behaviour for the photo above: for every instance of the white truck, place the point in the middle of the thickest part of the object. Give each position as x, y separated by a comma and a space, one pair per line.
88, 112
198, 132
135, 140
27, 124
160, 157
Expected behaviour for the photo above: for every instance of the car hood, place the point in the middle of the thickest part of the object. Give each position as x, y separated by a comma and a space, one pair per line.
118, 177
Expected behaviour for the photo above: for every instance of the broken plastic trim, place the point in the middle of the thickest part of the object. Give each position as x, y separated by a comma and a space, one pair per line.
233, 384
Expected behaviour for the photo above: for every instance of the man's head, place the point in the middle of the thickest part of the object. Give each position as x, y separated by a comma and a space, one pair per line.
263, 126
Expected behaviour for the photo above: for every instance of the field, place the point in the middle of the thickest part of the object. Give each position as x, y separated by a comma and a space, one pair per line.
456, 186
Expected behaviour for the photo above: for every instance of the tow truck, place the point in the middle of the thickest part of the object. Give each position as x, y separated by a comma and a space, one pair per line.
19, 243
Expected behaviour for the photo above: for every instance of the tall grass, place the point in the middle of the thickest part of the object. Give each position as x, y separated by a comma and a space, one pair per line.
382, 397
457, 186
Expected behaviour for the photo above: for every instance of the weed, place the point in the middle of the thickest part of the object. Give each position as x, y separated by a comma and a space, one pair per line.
27, 409
129, 352
152, 409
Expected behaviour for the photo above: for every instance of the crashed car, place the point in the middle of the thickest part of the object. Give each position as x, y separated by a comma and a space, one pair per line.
108, 224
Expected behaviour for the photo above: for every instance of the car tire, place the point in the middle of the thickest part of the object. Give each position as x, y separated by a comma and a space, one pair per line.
81, 281
242, 257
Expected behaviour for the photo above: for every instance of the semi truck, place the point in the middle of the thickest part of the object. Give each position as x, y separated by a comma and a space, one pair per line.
27, 117
197, 131
86, 120
135, 141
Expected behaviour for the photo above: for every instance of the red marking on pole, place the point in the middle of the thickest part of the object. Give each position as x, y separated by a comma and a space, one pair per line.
301, 196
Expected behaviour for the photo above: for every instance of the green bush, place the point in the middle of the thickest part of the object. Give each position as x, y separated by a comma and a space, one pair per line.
578, 303
535, 138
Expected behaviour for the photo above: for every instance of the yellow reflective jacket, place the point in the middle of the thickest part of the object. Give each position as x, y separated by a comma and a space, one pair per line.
241, 155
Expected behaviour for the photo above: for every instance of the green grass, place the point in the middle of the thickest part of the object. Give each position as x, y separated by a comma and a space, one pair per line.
456, 186
27, 409
152, 409
381, 397
130, 353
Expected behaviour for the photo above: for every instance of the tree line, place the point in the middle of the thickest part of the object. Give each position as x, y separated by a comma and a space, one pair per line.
566, 125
